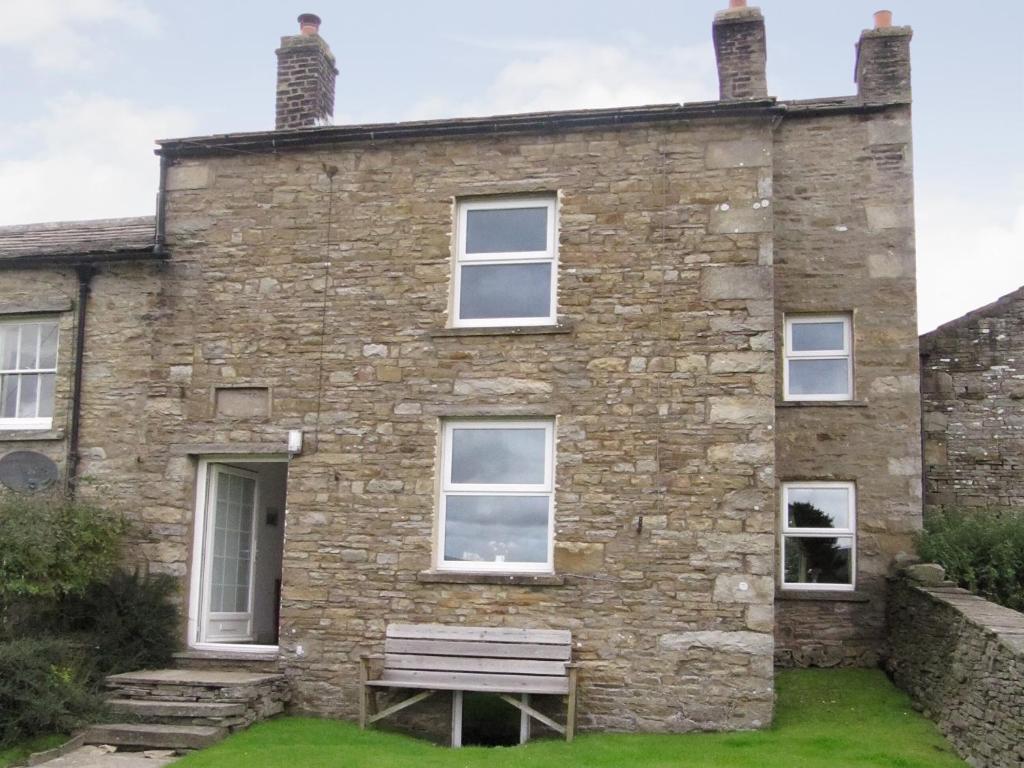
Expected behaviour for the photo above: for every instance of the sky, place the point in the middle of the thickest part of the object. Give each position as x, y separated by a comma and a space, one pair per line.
88, 85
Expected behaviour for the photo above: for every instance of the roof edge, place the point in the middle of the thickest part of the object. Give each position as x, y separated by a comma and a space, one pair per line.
531, 122
991, 309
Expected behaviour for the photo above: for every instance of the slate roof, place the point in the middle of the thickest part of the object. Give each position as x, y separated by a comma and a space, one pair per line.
69, 241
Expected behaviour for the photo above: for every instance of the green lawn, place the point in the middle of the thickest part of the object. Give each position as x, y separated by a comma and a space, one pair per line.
833, 718
19, 752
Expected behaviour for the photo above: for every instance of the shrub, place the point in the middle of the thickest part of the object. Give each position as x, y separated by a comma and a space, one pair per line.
981, 550
128, 621
44, 689
52, 546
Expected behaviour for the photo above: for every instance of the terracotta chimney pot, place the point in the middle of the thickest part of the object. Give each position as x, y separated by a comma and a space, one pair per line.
737, 3
883, 19
309, 24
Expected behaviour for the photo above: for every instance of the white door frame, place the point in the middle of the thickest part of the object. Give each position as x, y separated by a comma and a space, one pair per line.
196, 576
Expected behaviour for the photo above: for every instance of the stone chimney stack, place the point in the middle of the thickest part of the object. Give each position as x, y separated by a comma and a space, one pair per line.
741, 53
305, 77
882, 72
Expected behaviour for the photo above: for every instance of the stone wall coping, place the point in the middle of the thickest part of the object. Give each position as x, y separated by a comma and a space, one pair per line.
832, 596
30, 435
513, 579
1005, 623
821, 404
505, 330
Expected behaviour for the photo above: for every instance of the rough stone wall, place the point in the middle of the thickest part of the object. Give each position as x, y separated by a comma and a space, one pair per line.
961, 659
972, 399
661, 380
305, 82
844, 243
119, 334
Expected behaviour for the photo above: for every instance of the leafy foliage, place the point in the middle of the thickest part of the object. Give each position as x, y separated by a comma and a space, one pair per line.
52, 546
129, 621
981, 550
44, 688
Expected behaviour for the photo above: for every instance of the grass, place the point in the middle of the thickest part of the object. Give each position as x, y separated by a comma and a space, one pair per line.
833, 718
19, 752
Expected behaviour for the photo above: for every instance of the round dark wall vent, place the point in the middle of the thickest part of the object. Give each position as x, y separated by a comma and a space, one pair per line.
27, 471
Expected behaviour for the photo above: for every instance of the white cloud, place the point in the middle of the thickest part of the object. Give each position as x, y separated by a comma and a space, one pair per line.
93, 158
576, 75
968, 255
68, 27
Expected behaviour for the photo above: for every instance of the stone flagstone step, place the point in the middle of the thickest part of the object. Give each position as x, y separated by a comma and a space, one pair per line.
177, 709
155, 736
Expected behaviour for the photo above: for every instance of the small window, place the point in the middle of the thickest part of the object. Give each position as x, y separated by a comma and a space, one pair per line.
818, 536
505, 272
28, 370
818, 359
497, 496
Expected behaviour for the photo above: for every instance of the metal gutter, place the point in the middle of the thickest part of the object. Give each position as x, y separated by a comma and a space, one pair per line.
50, 260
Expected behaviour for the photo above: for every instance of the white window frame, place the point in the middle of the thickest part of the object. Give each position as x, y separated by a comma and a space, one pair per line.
30, 422
550, 254
448, 488
850, 532
846, 353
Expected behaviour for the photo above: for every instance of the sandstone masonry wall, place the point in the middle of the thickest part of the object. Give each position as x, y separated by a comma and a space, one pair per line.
961, 659
972, 400
660, 376
844, 243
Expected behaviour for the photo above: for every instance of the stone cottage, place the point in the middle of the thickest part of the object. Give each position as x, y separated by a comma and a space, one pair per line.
972, 401
648, 374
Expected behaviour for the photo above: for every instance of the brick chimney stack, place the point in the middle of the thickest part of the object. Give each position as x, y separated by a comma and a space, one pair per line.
882, 72
740, 49
305, 77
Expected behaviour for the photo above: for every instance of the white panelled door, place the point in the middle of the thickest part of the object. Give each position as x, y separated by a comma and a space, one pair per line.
229, 551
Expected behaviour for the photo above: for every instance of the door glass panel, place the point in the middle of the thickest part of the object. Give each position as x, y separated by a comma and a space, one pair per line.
232, 544
507, 230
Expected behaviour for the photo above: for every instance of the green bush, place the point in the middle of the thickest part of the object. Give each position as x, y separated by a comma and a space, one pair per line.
983, 551
128, 621
44, 688
52, 546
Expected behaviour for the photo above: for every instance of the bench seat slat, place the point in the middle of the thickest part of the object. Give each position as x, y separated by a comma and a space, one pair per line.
485, 634
474, 664
562, 652
470, 681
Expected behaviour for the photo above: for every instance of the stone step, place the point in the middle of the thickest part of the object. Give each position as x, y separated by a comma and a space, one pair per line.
202, 678
170, 710
155, 736
246, 662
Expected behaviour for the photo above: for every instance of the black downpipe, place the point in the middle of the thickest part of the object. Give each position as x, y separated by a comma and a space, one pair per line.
85, 275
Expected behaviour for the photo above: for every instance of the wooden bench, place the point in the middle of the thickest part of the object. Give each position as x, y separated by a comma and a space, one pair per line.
507, 662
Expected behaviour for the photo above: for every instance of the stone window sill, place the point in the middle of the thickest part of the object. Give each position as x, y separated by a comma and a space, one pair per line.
30, 435
513, 579
825, 596
505, 330
821, 404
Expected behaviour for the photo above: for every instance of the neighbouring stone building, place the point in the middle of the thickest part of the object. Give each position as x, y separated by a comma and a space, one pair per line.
649, 374
972, 401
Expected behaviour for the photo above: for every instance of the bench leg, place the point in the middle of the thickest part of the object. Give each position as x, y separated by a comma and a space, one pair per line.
524, 721
364, 674
570, 714
456, 719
